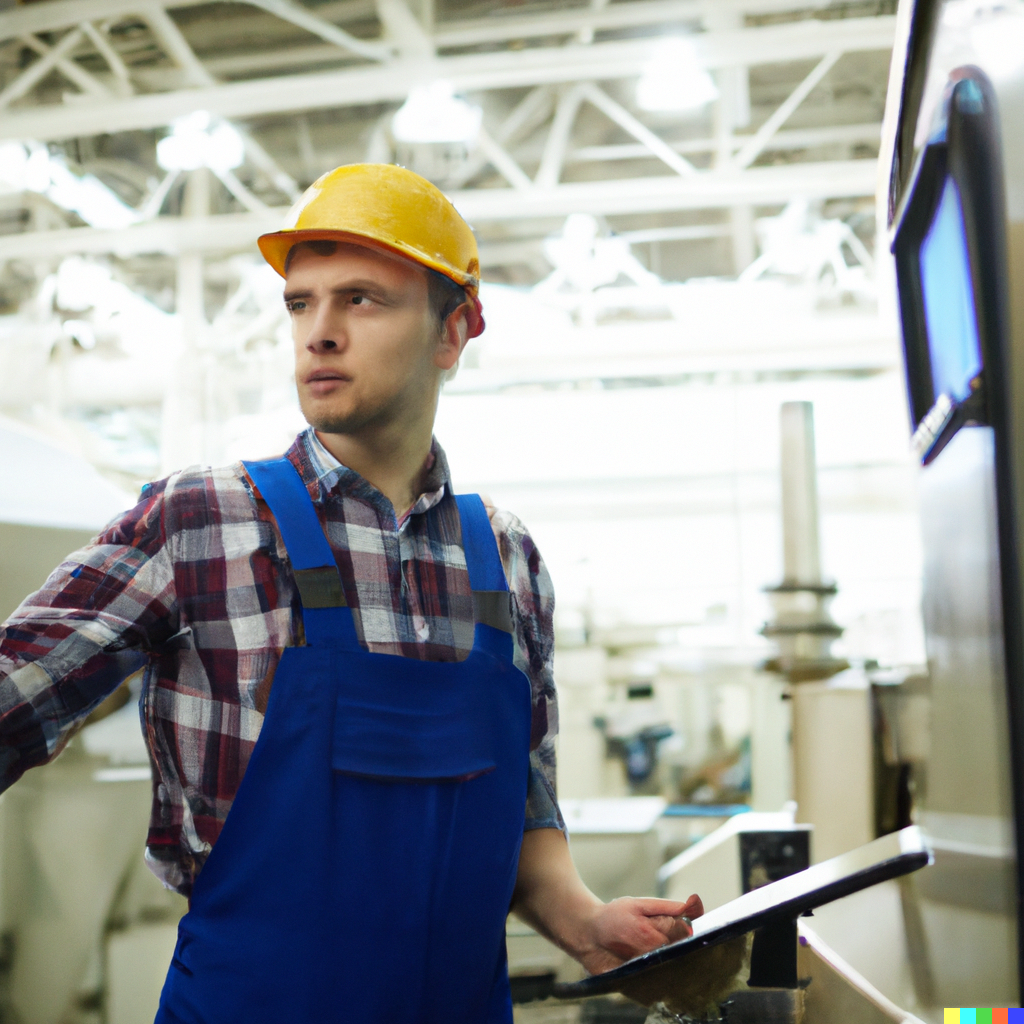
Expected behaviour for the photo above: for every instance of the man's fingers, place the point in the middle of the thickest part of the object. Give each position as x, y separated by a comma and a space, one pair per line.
694, 907
673, 928
663, 908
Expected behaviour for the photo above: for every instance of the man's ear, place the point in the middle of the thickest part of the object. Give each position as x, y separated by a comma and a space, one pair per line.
454, 336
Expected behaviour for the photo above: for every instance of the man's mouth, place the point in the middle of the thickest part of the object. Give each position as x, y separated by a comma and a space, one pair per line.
325, 375
325, 382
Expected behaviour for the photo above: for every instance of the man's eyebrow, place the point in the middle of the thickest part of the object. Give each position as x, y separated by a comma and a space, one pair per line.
360, 286
372, 287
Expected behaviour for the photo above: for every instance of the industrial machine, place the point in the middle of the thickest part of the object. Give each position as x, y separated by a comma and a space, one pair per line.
741, 963
955, 220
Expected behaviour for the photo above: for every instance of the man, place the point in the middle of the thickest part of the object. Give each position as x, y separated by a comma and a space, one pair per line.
352, 836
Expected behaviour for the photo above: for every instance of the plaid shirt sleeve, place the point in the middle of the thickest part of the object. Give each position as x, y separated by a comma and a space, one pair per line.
533, 604
90, 626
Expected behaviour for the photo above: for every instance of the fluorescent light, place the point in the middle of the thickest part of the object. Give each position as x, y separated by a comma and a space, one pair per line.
433, 113
197, 140
674, 80
29, 167
96, 204
24, 169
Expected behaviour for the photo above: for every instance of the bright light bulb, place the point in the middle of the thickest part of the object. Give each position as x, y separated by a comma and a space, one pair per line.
433, 113
225, 149
37, 169
88, 197
673, 80
13, 165
197, 141
22, 169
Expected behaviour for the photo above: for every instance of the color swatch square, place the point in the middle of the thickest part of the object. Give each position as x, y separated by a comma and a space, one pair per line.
968, 1015
999, 1016
983, 1016
1015, 1015
951, 1015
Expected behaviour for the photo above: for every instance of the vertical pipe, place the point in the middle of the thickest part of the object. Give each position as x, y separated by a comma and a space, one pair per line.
182, 427
801, 546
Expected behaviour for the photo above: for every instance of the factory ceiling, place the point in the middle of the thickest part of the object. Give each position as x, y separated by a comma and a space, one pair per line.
308, 85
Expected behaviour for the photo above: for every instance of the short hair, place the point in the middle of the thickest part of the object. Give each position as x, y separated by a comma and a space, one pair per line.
443, 294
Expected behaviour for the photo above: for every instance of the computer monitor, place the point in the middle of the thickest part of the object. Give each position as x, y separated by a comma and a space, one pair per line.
947, 289
944, 240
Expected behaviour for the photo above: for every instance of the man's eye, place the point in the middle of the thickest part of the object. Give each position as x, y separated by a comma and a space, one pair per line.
295, 305
358, 299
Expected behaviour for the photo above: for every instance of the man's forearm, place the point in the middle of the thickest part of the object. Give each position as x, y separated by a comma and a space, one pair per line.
550, 895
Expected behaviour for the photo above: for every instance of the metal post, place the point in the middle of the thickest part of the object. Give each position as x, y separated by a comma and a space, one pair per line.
800, 540
182, 426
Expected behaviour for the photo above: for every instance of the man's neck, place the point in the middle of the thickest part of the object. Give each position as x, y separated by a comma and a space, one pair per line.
395, 466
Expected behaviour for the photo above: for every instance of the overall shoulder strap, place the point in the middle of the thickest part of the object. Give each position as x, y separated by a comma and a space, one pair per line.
324, 612
491, 601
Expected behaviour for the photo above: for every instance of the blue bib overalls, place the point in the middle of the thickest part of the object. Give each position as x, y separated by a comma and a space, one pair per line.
365, 870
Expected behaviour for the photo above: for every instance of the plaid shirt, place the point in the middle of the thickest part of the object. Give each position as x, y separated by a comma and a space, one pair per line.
194, 586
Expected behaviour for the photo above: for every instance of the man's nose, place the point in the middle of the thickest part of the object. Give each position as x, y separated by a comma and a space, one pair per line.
327, 334
317, 344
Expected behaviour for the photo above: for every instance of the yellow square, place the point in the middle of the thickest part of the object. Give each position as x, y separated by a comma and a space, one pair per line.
951, 1016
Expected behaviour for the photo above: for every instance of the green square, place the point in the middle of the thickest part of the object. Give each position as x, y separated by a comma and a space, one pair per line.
983, 1016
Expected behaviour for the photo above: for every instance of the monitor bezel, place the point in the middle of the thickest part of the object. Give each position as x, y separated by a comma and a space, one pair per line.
963, 147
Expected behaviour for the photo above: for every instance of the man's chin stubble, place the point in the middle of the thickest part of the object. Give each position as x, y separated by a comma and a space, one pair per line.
326, 422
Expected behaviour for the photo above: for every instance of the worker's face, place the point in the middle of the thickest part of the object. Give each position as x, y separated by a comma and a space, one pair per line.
369, 353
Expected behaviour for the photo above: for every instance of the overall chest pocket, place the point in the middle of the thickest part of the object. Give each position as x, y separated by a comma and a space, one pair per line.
414, 729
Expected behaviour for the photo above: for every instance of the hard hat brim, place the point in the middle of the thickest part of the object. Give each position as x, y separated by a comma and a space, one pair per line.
276, 245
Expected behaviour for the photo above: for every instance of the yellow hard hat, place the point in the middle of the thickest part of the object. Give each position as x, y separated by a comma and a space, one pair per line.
388, 207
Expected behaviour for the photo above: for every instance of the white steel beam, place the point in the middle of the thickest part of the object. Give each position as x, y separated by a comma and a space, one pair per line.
57, 14
468, 72
270, 167
499, 158
68, 68
504, 28
98, 38
403, 30
501, 28
758, 186
557, 142
753, 148
241, 193
796, 138
174, 44
298, 15
625, 120
34, 73
528, 115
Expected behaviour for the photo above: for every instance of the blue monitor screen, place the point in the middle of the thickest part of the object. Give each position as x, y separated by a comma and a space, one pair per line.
949, 299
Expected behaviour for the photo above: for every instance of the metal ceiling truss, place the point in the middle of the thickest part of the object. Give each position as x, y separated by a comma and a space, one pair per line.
568, 70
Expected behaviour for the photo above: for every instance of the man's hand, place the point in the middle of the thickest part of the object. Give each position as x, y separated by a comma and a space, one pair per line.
551, 897
627, 927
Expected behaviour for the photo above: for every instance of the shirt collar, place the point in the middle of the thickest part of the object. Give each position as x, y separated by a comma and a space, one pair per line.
334, 477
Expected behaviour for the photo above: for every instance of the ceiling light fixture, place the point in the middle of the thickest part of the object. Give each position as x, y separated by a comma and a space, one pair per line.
200, 140
674, 80
433, 113
30, 167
